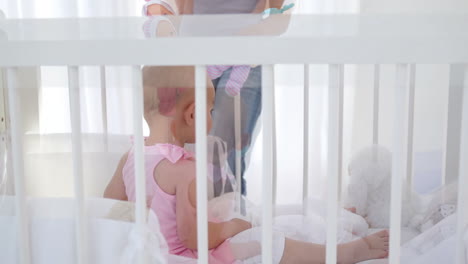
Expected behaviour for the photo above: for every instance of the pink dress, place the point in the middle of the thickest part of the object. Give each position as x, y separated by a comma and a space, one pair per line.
164, 204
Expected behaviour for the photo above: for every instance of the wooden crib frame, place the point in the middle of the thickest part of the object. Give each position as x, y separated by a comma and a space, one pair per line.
405, 40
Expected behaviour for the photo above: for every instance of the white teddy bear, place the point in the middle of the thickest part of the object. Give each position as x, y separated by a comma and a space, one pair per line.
370, 172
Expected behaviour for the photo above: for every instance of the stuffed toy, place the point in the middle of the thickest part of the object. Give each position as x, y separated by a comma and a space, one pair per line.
370, 172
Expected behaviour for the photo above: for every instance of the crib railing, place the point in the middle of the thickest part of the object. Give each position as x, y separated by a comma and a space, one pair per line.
404, 40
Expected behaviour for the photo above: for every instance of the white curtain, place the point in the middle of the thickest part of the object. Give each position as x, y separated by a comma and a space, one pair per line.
53, 82
62, 9
289, 92
45, 106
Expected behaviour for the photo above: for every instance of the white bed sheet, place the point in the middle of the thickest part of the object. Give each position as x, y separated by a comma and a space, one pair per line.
407, 234
52, 234
435, 246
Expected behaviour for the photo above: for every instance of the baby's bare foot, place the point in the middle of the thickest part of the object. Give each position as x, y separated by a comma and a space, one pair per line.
351, 209
374, 246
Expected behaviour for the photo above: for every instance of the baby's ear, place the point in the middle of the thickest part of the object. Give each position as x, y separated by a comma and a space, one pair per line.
189, 114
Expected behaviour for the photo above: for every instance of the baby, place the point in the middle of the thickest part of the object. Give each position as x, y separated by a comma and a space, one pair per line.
169, 110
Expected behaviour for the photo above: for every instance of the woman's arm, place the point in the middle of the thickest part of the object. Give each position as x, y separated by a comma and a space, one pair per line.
274, 25
260, 7
265, 4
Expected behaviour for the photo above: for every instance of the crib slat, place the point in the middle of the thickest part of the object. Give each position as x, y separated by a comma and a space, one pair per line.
140, 182
454, 117
334, 151
376, 105
399, 160
201, 162
75, 120
305, 147
462, 217
105, 131
274, 146
340, 130
2, 107
238, 144
409, 163
23, 243
267, 200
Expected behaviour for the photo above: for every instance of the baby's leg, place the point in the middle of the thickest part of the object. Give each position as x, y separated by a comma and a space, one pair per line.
247, 245
371, 247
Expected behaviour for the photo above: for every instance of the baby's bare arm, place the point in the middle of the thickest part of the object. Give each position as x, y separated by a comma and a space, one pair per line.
217, 232
187, 222
116, 188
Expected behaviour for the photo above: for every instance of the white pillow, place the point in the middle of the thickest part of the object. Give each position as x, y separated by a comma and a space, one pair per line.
112, 236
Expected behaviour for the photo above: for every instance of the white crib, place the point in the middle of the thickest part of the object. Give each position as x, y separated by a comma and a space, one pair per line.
334, 40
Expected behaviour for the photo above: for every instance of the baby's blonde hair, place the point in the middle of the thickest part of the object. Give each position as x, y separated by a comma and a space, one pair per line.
163, 86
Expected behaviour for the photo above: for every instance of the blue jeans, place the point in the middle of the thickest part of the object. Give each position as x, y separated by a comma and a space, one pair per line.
223, 116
